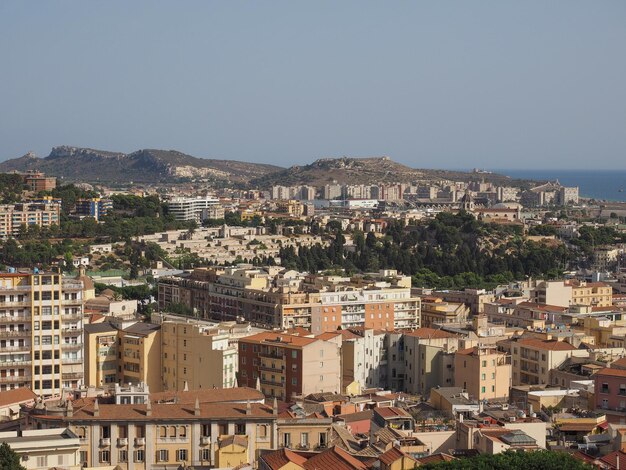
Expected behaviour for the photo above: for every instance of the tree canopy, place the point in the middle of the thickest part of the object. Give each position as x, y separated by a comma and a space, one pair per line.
537, 460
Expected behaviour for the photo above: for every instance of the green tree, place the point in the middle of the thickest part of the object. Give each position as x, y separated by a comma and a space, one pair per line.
509, 460
9, 459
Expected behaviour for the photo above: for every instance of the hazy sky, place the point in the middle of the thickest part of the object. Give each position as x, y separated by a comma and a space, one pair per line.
439, 84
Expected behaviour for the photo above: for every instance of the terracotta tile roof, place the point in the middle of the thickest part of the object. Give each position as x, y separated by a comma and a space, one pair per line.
431, 333
392, 455
111, 412
16, 396
279, 458
278, 339
435, 458
209, 395
328, 335
547, 345
334, 458
391, 412
542, 307
612, 459
611, 372
358, 416
619, 363
241, 441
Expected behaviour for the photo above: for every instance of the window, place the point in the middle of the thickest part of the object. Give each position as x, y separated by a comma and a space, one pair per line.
604, 388
182, 431
123, 455
105, 456
483, 376
105, 432
262, 430
162, 455
323, 439
172, 431
42, 461
321, 378
286, 439
83, 458
139, 455
294, 381
484, 364
304, 439
205, 454
140, 431
482, 389
206, 430
181, 455
163, 432
294, 354
240, 428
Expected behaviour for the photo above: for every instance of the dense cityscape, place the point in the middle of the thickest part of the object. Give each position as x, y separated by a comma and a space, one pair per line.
384, 325
322, 235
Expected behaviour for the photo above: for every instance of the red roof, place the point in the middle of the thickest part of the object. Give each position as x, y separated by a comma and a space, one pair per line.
392, 455
279, 458
612, 459
429, 333
17, 396
611, 372
547, 345
334, 458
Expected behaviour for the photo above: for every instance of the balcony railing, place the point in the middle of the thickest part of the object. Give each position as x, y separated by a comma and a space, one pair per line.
105, 442
273, 383
15, 333
122, 441
7, 349
140, 441
72, 332
71, 347
14, 379
72, 375
15, 319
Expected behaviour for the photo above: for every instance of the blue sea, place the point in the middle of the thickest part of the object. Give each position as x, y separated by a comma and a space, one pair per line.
603, 184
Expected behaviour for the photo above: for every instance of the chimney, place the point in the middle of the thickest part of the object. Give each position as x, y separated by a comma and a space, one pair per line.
248, 408
69, 409
148, 408
275, 408
196, 407
186, 386
96, 408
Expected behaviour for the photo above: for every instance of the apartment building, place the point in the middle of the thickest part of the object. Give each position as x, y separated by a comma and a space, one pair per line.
610, 391
210, 428
287, 365
197, 209
275, 297
428, 359
484, 372
363, 357
534, 358
572, 292
38, 213
41, 332
195, 356
123, 352
436, 311
474, 299
42, 449
37, 181
95, 207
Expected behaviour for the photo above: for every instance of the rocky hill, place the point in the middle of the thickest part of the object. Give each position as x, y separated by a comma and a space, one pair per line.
148, 166
365, 171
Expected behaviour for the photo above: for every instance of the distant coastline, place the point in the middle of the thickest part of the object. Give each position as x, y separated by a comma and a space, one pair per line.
600, 184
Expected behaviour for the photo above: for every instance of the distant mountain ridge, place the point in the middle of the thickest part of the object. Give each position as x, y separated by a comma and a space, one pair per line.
146, 166
159, 166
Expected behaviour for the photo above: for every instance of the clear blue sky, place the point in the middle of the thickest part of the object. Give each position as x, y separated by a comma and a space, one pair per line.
438, 84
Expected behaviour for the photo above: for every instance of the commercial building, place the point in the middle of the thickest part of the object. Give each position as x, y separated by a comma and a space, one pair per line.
196, 209
484, 372
39, 213
288, 365
41, 332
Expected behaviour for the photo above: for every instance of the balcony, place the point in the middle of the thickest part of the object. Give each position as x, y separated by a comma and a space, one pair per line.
71, 347
271, 368
14, 379
72, 317
205, 440
122, 441
72, 332
72, 375
15, 319
15, 363
140, 441
273, 383
7, 349
15, 333
272, 355
23, 303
